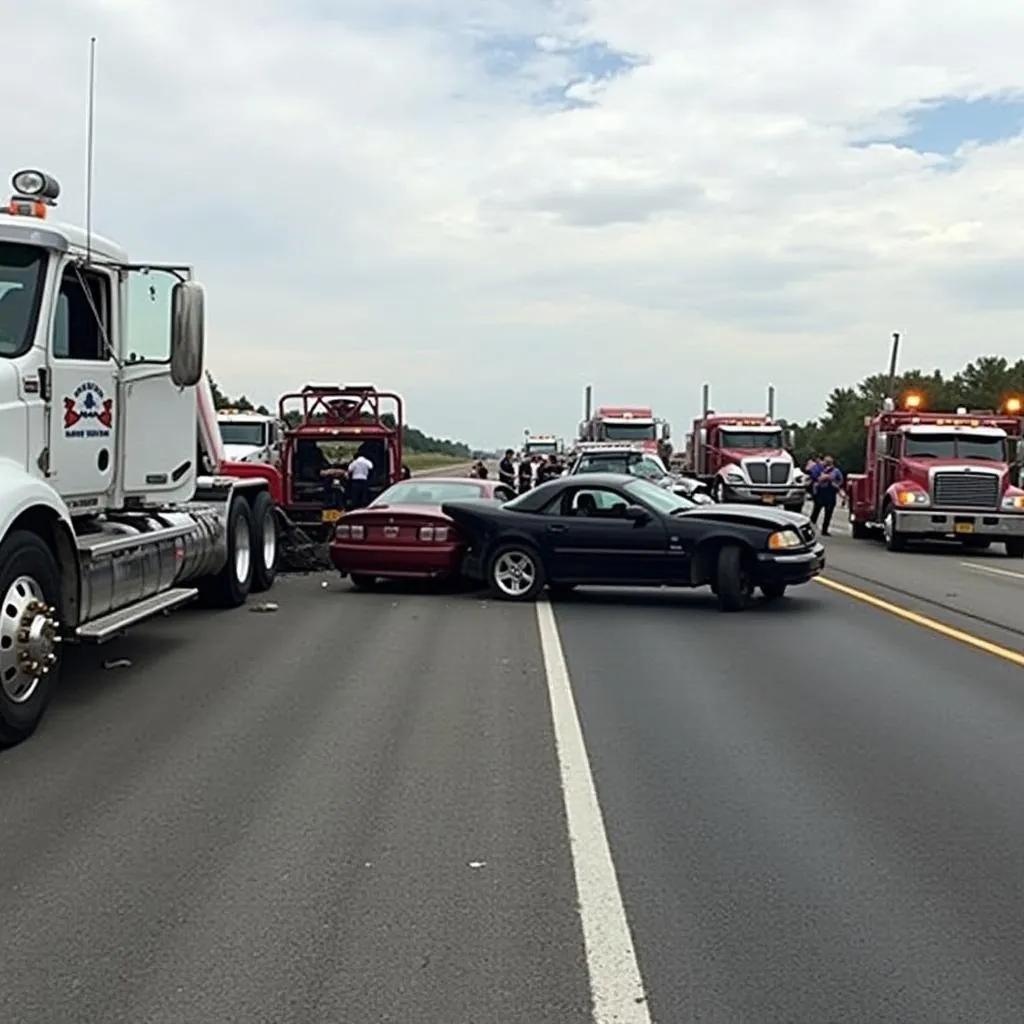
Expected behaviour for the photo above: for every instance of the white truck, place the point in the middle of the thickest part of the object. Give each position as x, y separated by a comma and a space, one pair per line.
251, 436
105, 414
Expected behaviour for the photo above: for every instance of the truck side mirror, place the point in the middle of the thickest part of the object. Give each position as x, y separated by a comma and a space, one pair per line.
883, 443
667, 432
790, 438
188, 337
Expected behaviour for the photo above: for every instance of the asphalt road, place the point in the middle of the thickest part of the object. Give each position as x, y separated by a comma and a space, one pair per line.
358, 809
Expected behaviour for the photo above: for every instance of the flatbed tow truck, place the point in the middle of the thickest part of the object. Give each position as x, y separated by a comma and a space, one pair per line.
105, 518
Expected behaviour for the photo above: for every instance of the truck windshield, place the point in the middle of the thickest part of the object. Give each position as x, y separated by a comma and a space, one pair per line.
955, 446
22, 271
630, 432
253, 434
752, 440
541, 448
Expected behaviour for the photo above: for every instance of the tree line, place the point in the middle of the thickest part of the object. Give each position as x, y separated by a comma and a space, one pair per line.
983, 384
413, 440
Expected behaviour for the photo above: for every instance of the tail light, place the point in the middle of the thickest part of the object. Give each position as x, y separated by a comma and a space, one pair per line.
434, 534
345, 531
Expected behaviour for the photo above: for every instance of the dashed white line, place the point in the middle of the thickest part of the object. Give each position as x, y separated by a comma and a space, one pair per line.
978, 567
616, 986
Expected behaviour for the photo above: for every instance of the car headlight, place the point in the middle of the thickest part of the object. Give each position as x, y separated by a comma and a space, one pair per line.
1014, 501
782, 540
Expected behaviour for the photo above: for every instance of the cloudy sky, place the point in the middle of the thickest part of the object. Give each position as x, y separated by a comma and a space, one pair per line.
487, 204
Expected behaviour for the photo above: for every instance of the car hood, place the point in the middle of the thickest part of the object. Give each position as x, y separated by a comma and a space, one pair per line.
777, 517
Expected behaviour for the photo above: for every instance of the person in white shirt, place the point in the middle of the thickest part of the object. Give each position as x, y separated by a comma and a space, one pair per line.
359, 471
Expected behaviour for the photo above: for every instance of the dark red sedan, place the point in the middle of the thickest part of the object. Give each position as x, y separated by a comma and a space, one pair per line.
403, 534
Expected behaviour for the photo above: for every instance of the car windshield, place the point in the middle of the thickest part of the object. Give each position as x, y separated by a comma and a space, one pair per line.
752, 440
22, 271
233, 432
657, 497
630, 431
642, 466
955, 446
426, 492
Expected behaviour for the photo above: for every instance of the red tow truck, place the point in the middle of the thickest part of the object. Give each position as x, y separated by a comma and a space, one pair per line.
937, 475
744, 458
632, 424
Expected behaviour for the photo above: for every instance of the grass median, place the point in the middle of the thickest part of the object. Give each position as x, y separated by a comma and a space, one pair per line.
420, 461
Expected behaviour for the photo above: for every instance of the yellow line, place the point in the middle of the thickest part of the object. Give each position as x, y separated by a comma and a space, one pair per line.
922, 620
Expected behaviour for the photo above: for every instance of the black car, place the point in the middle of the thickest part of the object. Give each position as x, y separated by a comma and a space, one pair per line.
611, 529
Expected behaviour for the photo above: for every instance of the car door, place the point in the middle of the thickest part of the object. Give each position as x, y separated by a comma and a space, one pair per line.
589, 540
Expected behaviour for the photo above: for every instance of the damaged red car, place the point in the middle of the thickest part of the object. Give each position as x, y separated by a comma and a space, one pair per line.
403, 534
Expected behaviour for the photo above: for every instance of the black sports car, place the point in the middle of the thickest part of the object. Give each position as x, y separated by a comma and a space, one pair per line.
610, 529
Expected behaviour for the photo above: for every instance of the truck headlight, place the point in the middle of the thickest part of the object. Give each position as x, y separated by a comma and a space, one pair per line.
911, 498
1013, 501
732, 477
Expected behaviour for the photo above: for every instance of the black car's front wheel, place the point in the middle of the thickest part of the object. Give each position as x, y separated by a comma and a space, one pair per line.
734, 585
515, 572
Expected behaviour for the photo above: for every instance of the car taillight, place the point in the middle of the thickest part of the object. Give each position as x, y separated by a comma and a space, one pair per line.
345, 531
435, 534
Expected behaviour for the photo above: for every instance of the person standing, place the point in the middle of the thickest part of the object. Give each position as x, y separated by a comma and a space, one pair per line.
525, 474
507, 469
827, 485
359, 471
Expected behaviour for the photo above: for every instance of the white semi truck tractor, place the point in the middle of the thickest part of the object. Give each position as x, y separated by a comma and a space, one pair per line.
105, 517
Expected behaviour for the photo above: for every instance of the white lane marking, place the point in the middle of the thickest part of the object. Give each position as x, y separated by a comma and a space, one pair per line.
616, 986
989, 568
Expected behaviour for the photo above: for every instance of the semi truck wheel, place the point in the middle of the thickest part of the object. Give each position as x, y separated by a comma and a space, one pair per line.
230, 587
29, 640
734, 586
266, 544
894, 540
1015, 548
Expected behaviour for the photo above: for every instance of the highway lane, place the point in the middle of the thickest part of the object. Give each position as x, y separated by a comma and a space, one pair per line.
983, 586
347, 810
814, 812
351, 809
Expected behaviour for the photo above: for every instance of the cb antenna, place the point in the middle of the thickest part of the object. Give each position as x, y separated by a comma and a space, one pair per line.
90, 142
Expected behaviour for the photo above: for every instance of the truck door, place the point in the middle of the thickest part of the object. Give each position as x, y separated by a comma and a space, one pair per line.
159, 432
84, 412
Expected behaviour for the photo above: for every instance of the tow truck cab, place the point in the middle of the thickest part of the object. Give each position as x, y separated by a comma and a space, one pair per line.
744, 458
940, 476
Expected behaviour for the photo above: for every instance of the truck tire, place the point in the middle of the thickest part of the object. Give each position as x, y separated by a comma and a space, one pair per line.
733, 583
30, 592
515, 572
859, 530
266, 543
230, 587
1015, 548
894, 540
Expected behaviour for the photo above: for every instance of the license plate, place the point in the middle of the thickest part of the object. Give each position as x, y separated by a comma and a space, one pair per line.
963, 527
768, 499
331, 515
391, 532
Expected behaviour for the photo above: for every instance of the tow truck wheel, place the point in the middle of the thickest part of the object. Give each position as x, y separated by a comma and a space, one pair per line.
1015, 548
894, 540
734, 586
266, 545
230, 587
29, 640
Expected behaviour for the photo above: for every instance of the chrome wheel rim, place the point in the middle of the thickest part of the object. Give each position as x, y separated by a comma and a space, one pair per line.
269, 540
28, 639
243, 550
514, 573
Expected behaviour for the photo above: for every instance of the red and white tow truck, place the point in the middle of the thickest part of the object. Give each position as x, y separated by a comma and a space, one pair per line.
937, 475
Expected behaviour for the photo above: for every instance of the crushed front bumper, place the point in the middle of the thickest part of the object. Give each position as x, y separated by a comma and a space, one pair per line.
790, 568
967, 523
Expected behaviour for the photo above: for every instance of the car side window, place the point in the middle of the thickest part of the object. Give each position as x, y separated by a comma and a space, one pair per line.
593, 503
504, 493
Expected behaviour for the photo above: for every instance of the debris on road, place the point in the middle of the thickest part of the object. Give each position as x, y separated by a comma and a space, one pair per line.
264, 606
117, 663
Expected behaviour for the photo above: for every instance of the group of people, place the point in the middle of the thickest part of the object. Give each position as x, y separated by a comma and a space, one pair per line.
527, 472
825, 484
346, 484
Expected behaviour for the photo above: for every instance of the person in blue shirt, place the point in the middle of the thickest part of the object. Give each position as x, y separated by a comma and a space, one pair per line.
827, 483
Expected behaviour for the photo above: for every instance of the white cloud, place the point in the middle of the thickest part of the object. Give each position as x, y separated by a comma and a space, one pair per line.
365, 200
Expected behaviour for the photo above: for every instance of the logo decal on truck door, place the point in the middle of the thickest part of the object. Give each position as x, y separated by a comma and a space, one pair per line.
88, 412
